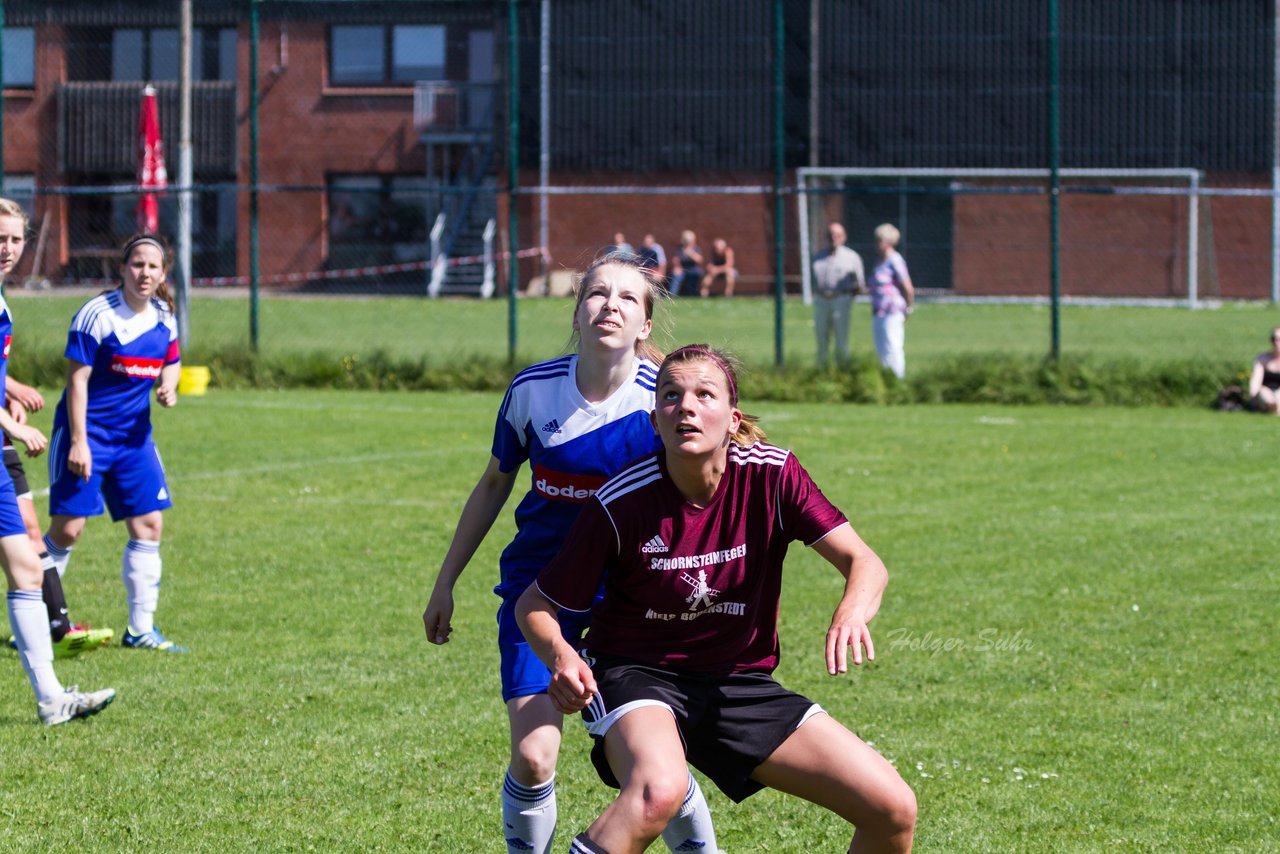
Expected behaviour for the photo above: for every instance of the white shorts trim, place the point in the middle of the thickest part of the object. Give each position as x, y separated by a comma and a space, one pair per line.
815, 709
598, 726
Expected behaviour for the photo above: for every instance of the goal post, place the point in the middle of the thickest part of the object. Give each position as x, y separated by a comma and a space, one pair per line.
1169, 241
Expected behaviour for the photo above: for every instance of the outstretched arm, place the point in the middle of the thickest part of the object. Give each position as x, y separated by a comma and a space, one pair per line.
572, 684
865, 581
478, 515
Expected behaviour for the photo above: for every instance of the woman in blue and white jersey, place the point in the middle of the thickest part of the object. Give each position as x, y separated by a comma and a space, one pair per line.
123, 343
28, 619
577, 420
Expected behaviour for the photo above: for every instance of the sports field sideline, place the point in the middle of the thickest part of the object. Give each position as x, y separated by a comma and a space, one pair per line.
445, 330
1074, 654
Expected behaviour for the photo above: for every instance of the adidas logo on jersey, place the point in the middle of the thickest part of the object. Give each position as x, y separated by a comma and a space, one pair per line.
654, 546
163, 494
552, 426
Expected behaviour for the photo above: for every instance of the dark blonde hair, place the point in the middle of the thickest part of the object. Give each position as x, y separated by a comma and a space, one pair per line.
748, 432
8, 207
654, 295
166, 255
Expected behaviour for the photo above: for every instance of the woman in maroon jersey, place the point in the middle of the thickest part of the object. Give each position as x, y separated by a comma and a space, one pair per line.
678, 662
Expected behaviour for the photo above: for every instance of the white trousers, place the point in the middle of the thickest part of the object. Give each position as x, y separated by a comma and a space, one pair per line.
890, 335
832, 314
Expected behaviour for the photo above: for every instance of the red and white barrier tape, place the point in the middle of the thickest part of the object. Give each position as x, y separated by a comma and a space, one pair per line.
352, 272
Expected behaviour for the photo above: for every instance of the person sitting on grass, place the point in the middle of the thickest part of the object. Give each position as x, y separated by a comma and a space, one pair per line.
677, 666
1264, 381
720, 268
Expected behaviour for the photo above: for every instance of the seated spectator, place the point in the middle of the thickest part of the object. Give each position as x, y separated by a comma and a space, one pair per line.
620, 245
1264, 382
686, 268
652, 256
720, 267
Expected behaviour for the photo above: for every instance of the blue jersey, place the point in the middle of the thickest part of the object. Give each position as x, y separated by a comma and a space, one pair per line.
572, 447
127, 351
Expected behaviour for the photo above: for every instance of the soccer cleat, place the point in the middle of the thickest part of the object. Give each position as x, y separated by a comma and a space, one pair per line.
74, 704
81, 639
150, 640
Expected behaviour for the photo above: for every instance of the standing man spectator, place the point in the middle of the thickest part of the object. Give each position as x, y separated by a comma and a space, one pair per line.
652, 255
721, 265
837, 275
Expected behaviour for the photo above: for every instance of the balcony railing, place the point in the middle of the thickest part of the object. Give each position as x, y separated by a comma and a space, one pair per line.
448, 108
98, 127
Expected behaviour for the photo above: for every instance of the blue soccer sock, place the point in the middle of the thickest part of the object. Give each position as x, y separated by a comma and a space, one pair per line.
691, 829
528, 816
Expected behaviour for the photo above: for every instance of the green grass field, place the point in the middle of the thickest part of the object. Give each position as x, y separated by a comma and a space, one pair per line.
445, 330
1076, 649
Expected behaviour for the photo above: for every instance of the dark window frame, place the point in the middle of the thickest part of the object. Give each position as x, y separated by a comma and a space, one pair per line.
205, 51
387, 79
384, 237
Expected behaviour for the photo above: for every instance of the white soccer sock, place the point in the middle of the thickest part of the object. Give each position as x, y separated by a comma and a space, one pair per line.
30, 624
141, 573
691, 829
528, 815
58, 555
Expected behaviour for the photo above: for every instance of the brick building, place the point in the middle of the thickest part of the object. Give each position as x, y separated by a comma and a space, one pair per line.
375, 118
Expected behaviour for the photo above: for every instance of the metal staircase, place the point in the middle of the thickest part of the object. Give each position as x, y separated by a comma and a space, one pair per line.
456, 120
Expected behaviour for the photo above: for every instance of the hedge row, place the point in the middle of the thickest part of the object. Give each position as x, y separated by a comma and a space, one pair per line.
992, 378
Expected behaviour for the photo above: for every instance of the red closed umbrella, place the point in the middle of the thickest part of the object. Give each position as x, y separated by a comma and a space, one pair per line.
151, 172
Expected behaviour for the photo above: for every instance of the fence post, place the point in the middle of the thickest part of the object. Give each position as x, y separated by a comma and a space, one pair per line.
2, 103
1055, 158
253, 175
779, 178
513, 172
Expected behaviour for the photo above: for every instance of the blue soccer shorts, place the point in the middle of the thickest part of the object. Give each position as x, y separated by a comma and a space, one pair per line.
127, 473
11, 523
523, 673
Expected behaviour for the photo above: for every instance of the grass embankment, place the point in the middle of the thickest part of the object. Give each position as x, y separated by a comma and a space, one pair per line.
955, 353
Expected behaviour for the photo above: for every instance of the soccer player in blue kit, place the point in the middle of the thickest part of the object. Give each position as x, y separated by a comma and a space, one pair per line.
122, 344
28, 618
577, 420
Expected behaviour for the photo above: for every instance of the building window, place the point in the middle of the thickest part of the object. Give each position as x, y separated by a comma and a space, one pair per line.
376, 219
152, 54
19, 58
386, 55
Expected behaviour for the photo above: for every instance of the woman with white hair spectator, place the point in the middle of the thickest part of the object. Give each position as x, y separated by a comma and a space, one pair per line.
892, 297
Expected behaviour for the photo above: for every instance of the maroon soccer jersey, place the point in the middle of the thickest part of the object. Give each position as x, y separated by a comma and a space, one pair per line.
687, 587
